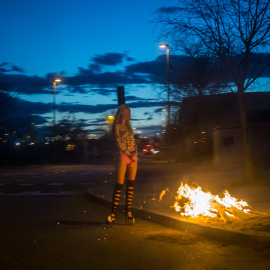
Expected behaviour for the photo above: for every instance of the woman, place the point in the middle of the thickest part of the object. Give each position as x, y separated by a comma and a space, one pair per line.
126, 164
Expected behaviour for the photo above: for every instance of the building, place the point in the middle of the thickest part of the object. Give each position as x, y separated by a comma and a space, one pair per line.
212, 126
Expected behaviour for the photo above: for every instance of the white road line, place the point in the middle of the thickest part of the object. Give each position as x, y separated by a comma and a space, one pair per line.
40, 193
10, 174
86, 173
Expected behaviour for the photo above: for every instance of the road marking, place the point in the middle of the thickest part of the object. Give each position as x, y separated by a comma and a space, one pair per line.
40, 193
10, 174
86, 173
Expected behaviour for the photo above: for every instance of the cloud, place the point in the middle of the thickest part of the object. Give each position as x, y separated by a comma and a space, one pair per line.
7, 67
109, 59
134, 98
23, 84
159, 110
168, 10
103, 91
136, 73
108, 79
15, 68
38, 108
77, 89
27, 107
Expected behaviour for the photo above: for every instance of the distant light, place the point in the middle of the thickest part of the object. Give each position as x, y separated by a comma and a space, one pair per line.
70, 147
6, 134
164, 46
164, 110
32, 123
31, 143
17, 143
57, 80
157, 134
47, 143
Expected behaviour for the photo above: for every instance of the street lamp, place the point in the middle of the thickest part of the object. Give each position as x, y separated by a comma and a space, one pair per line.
110, 120
168, 82
54, 98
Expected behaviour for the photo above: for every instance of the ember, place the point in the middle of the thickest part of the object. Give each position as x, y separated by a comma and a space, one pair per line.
192, 201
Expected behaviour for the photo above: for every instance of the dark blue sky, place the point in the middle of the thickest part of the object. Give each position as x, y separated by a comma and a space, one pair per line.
94, 45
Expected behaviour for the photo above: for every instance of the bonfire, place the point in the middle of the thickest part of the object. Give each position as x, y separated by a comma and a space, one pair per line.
192, 201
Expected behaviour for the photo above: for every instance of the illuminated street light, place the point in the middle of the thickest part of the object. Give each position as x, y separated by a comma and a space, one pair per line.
54, 99
110, 120
168, 83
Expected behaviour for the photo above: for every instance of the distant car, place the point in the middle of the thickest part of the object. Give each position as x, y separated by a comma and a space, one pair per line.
148, 150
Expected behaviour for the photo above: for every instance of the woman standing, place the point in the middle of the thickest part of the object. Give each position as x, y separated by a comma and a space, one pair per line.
126, 164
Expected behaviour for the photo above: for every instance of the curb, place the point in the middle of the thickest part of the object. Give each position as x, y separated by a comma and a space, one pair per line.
225, 236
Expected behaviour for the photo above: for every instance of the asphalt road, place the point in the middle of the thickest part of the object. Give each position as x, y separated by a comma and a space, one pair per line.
51, 180
58, 228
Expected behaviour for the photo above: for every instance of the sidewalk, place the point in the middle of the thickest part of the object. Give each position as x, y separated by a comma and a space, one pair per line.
153, 178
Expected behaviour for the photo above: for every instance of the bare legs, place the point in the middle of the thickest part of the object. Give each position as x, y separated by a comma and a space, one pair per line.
130, 170
122, 169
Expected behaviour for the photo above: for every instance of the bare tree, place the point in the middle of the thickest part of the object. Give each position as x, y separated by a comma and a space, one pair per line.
5, 101
200, 74
235, 31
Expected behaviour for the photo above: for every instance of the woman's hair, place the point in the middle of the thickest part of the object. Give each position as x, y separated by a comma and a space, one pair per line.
118, 116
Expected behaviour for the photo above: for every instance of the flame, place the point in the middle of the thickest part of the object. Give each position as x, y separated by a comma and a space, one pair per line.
163, 192
192, 201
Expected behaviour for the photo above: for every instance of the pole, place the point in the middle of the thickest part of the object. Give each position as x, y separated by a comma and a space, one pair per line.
168, 83
54, 103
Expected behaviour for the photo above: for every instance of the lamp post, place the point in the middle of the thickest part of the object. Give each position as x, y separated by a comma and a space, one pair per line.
168, 82
54, 99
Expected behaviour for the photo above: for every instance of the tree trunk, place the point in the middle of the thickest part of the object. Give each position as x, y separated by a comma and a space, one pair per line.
248, 170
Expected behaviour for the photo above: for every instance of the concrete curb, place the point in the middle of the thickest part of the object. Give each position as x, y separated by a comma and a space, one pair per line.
223, 235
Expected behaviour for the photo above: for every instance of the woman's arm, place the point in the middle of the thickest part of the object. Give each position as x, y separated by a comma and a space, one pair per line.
121, 147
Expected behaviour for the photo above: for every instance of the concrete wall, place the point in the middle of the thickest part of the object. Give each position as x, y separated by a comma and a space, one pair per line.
228, 148
227, 145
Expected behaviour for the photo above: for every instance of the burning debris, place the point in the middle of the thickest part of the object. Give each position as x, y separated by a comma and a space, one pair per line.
163, 193
192, 201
